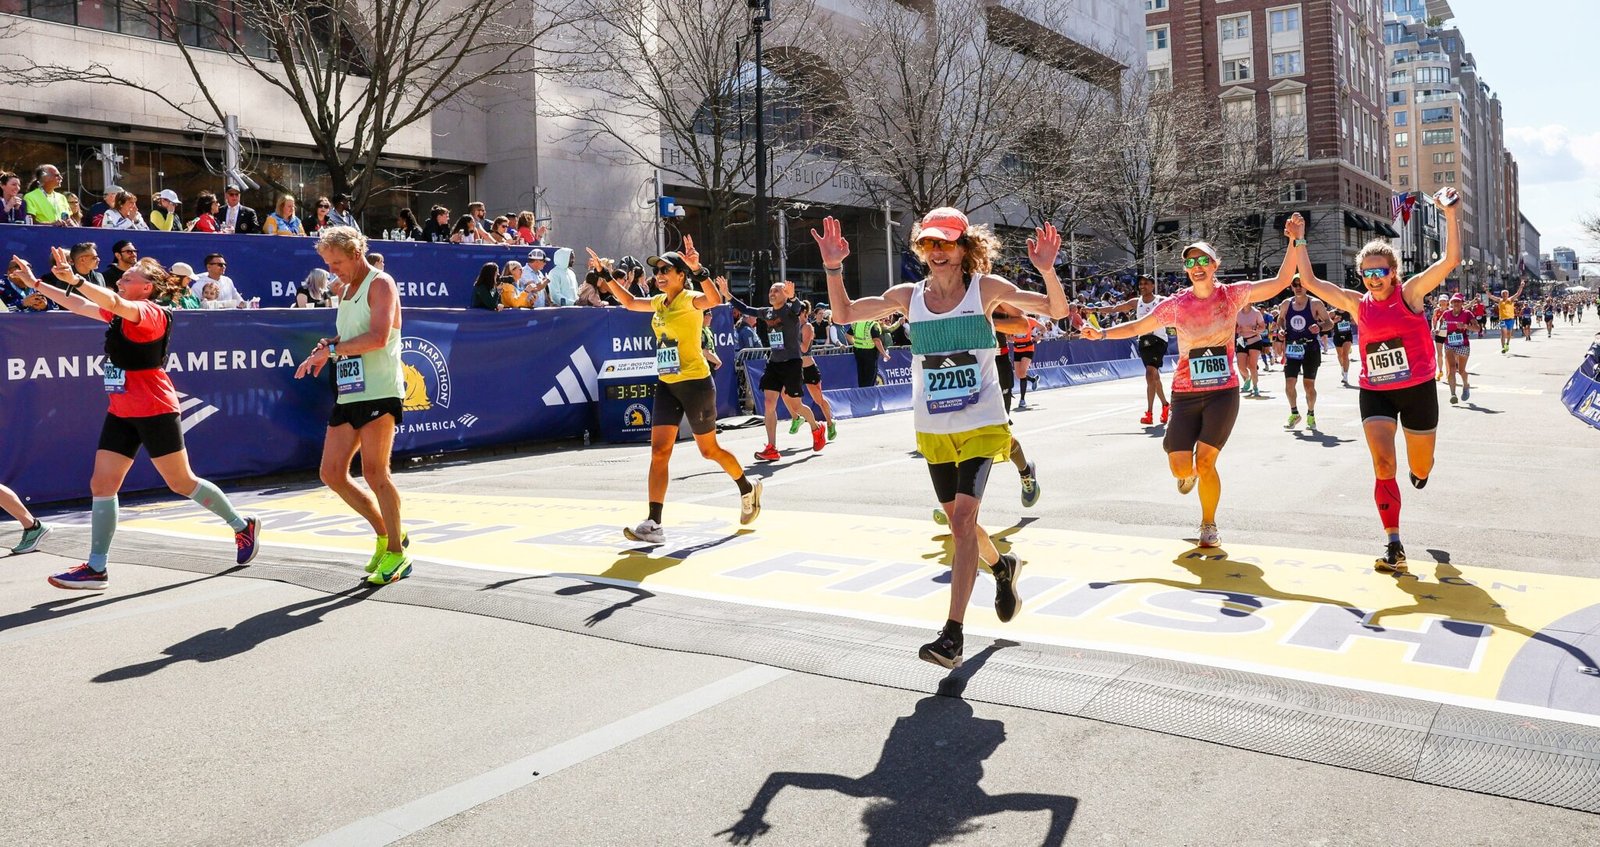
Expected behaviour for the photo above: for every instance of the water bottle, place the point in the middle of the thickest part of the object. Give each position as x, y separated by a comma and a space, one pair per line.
586, 438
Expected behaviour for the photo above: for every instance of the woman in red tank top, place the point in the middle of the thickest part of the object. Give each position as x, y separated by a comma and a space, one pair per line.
1397, 364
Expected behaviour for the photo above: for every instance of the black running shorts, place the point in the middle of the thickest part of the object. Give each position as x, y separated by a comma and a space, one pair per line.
1152, 351
951, 478
363, 412
1305, 367
811, 375
783, 376
1416, 409
696, 398
1201, 417
161, 435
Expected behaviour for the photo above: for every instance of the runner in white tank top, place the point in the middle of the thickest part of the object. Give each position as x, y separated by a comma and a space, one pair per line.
959, 414
1152, 347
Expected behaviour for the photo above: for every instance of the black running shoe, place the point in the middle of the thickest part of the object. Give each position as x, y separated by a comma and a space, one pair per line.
942, 651
1006, 601
1393, 559
1419, 482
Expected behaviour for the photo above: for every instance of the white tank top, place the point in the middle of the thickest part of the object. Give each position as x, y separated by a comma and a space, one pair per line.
1141, 308
955, 385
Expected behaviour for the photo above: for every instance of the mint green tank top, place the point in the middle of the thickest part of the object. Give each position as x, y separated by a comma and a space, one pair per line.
375, 374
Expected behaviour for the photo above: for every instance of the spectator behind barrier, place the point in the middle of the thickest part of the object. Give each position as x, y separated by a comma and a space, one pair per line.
500, 232
174, 291
166, 213
283, 220
341, 215
748, 337
206, 207
210, 294
12, 209
123, 257
437, 229
319, 217
563, 288
513, 293
17, 297
465, 231
476, 211
107, 202
227, 296
485, 293
237, 217
406, 222
313, 292
375, 259
124, 213
530, 234
45, 204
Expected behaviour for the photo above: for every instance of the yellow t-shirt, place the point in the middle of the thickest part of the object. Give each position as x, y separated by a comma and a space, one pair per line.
1508, 309
678, 324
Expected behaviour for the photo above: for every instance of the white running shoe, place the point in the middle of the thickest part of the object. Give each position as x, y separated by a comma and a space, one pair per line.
647, 531
1186, 484
1209, 536
750, 504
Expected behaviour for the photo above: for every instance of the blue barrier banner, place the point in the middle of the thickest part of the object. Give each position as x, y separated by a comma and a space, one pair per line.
473, 379
272, 267
1581, 394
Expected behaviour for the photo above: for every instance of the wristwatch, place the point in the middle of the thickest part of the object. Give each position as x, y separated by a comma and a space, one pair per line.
1299, 242
333, 350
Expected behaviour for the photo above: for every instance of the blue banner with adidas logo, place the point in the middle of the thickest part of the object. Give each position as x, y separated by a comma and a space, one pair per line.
473, 379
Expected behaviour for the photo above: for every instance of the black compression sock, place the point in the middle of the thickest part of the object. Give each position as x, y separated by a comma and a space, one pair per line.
744, 485
655, 512
952, 631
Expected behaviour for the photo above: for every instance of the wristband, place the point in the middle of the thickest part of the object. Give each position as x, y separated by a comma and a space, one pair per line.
837, 270
1298, 242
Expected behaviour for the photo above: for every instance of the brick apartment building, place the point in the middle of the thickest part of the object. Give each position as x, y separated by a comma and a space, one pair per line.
1310, 75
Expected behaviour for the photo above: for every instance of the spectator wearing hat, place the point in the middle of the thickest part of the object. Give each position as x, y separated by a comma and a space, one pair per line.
45, 204
123, 257
237, 217
175, 293
124, 213
166, 214
108, 201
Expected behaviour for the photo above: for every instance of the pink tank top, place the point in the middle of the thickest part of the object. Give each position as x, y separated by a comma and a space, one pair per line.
1396, 344
1455, 329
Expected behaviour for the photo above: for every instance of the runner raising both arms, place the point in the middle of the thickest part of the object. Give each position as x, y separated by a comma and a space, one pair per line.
957, 410
1205, 388
685, 388
143, 406
1506, 310
369, 383
1398, 389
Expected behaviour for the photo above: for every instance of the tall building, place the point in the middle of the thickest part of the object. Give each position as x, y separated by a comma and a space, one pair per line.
1565, 260
1446, 130
1528, 241
1310, 72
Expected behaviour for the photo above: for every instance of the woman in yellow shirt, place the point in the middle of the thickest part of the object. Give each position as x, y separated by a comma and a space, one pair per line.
685, 387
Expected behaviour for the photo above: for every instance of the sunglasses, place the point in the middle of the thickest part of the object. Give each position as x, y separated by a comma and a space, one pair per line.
128, 252
1197, 261
938, 244
217, 264
1374, 273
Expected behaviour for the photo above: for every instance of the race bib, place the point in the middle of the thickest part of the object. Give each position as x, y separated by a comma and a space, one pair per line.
775, 339
1455, 339
1208, 367
1387, 362
1343, 327
350, 375
667, 363
116, 379
1295, 350
951, 382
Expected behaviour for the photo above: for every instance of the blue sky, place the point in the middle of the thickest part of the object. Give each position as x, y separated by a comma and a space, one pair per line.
1537, 55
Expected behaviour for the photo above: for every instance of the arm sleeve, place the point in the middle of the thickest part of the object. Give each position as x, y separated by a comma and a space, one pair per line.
764, 313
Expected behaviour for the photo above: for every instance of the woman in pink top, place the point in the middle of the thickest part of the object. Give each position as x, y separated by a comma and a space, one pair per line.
1205, 389
1397, 364
1454, 325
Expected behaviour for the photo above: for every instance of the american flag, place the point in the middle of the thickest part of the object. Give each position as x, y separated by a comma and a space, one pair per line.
1400, 206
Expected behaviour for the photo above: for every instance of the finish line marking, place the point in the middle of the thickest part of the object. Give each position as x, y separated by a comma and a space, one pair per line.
1505, 641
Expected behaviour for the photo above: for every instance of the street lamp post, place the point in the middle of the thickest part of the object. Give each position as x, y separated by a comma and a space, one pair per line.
761, 12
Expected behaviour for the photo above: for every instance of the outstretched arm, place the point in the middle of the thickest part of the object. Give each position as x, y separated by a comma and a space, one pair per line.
835, 249
1346, 301
1267, 289
1043, 248
1424, 283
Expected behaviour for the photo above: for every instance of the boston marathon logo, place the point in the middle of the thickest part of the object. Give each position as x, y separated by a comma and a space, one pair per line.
636, 416
427, 387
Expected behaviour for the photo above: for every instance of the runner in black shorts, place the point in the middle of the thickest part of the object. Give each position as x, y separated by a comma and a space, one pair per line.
811, 375
1152, 348
143, 406
1303, 320
1343, 334
784, 377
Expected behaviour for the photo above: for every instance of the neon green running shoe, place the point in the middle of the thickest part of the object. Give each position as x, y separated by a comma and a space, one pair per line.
940, 518
832, 433
794, 425
392, 567
382, 544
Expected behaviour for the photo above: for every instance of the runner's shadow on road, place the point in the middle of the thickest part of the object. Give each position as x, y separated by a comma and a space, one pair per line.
925, 788
635, 595
762, 470
82, 602
641, 563
1241, 585
225, 643
1002, 542
1474, 407
1321, 438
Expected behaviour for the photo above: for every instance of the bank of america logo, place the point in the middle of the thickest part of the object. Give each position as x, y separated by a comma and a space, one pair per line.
577, 383
193, 410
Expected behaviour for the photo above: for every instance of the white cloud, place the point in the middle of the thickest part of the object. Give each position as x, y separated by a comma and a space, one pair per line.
1554, 153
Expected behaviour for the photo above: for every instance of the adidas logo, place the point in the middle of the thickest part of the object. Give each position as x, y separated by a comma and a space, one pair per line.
577, 383
191, 411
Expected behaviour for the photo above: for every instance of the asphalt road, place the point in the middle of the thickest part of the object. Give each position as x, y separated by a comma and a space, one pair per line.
185, 708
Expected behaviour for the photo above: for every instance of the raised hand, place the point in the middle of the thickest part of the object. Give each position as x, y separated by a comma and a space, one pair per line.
1295, 227
691, 256
23, 275
835, 249
594, 259
722, 284
1446, 199
1044, 247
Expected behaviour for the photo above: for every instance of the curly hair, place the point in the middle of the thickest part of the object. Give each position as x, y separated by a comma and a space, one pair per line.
979, 247
1379, 247
345, 239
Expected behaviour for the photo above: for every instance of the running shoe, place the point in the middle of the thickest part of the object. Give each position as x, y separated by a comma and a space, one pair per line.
1030, 486
1466, 392
1393, 559
1245, 387
648, 531
1418, 482
749, 506
1166, 412
1148, 419
1209, 536
245, 539
770, 454
940, 518
1454, 400
1022, 406
794, 426
942, 651
1006, 572
1344, 378
1256, 392
380, 546
31, 537
819, 438
1311, 420
833, 432
80, 578
1294, 418
1186, 484
392, 567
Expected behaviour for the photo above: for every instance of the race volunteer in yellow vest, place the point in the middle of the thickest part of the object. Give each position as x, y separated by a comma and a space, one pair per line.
866, 341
